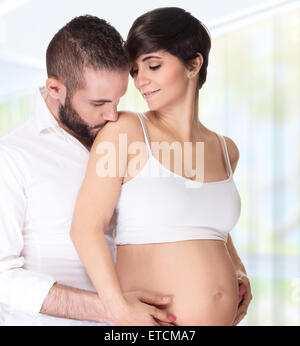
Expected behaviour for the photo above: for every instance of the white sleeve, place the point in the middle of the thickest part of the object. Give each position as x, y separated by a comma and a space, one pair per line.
20, 289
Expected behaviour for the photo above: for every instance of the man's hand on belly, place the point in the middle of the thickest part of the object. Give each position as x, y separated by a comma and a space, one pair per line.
158, 301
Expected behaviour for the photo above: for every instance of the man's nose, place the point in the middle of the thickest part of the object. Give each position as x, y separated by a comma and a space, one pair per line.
111, 115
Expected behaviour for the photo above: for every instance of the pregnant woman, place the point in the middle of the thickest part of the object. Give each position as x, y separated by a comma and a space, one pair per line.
171, 225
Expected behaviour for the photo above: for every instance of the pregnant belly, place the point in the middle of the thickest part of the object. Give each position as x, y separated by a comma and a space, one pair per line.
197, 274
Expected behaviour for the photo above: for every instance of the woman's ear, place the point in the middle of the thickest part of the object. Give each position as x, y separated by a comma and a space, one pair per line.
195, 66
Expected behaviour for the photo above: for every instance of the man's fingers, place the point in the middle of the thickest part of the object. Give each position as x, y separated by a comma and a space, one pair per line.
162, 317
154, 299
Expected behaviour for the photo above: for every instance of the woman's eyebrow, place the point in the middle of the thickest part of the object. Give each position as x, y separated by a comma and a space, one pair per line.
151, 56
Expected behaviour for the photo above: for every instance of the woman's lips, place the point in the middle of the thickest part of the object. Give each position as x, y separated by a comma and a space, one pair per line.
149, 94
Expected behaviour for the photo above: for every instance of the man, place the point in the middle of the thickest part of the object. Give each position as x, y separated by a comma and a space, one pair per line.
42, 164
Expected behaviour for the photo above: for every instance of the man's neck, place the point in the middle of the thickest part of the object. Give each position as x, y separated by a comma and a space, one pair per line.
53, 107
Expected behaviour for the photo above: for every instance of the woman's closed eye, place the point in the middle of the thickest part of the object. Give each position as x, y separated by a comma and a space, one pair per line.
153, 68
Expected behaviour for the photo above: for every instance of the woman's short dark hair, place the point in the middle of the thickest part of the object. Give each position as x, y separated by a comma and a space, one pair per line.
171, 29
86, 41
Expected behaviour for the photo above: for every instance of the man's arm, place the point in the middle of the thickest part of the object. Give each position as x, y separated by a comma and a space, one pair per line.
73, 303
76, 304
21, 289
30, 292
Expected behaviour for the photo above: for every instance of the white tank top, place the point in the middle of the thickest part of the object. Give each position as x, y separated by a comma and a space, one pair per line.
159, 206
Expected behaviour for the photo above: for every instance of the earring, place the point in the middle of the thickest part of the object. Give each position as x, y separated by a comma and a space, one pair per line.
191, 76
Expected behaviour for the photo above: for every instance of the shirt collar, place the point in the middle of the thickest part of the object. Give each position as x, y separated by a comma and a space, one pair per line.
44, 119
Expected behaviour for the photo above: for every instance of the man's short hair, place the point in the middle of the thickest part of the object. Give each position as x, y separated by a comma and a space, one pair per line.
86, 41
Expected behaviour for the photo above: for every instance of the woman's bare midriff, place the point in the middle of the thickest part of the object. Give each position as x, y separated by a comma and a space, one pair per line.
198, 274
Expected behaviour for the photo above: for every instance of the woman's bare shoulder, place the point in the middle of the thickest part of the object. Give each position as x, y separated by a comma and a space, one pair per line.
233, 152
128, 123
116, 135
128, 120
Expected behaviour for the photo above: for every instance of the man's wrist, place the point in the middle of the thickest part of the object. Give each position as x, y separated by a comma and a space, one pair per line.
113, 308
72, 303
96, 312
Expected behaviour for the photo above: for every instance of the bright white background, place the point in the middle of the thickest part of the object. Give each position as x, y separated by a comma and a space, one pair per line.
27, 26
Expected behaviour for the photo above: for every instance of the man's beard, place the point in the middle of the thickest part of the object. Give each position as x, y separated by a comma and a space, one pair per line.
73, 121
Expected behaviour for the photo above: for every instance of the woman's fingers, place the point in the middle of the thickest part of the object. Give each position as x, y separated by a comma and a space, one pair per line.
166, 324
239, 318
163, 316
245, 289
245, 297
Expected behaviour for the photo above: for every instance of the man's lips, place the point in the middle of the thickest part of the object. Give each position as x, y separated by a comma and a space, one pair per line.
149, 94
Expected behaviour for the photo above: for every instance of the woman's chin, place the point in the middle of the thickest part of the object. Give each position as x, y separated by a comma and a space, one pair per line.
160, 105
154, 107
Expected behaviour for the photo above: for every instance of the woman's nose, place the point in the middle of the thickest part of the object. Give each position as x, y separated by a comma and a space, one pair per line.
141, 81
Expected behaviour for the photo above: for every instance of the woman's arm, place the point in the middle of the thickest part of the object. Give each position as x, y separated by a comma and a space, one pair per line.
245, 294
234, 157
238, 264
93, 210
244, 283
94, 207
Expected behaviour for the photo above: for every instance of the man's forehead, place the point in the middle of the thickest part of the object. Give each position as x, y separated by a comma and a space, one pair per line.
92, 74
107, 83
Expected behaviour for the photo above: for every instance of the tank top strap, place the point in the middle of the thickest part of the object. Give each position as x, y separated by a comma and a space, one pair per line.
141, 115
226, 154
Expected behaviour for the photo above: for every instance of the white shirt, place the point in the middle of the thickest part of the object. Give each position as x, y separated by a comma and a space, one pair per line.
41, 171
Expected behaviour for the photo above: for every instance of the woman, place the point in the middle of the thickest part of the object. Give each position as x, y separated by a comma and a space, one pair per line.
171, 227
